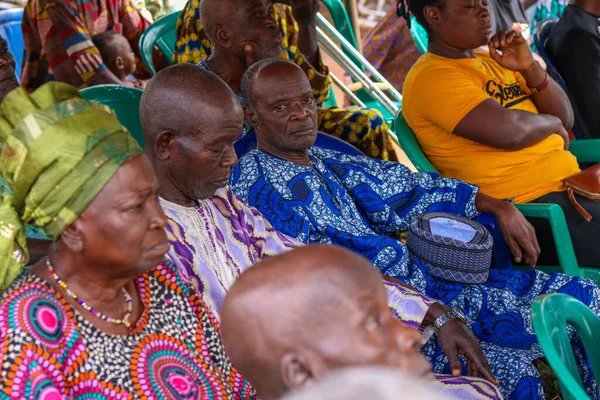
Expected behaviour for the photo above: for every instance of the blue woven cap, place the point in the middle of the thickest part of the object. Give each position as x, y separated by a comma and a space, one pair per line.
451, 247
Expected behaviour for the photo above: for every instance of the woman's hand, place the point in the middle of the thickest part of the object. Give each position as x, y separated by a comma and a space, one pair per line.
510, 49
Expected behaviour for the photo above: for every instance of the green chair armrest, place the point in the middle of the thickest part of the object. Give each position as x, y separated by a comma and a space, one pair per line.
560, 231
586, 150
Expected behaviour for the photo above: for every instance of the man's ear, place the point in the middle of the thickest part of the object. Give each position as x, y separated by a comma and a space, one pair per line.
163, 144
119, 63
72, 237
295, 371
250, 116
222, 37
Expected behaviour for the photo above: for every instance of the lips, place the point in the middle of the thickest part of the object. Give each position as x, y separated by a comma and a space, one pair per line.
308, 130
486, 29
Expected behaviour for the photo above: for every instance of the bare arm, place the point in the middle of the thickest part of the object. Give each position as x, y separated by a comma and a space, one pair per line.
305, 14
507, 129
511, 50
552, 100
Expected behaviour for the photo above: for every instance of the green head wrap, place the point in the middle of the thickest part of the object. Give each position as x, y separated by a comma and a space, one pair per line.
59, 151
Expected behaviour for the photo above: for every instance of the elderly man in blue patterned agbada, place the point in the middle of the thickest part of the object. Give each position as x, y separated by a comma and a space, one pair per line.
324, 196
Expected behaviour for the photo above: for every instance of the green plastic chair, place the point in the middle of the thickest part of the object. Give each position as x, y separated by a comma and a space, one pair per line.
341, 22
125, 101
162, 34
553, 213
550, 315
419, 35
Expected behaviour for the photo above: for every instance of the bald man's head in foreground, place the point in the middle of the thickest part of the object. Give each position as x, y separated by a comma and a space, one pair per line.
292, 318
190, 119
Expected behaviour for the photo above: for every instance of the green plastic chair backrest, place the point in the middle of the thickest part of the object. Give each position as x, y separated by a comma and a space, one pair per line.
163, 34
551, 314
342, 23
125, 101
411, 147
419, 35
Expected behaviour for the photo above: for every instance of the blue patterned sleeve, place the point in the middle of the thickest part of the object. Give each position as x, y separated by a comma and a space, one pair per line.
391, 195
253, 189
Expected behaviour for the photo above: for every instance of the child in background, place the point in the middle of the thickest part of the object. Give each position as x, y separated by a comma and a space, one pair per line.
118, 56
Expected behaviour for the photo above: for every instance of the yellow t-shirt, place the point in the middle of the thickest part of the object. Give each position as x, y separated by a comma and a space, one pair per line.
439, 92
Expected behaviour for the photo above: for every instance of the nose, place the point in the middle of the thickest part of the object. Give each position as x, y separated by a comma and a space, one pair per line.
271, 23
484, 11
299, 112
229, 159
408, 339
158, 219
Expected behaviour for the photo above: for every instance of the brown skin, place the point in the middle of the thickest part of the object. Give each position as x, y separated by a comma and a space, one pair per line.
354, 326
292, 114
124, 62
464, 25
117, 238
192, 156
249, 33
591, 6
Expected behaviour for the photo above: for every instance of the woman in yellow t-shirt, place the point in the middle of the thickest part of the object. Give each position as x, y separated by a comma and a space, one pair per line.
495, 120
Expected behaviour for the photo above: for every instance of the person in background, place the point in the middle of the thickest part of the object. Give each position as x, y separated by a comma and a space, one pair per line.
118, 56
292, 319
539, 11
227, 36
324, 196
58, 40
390, 48
497, 119
373, 383
509, 14
103, 316
574, 47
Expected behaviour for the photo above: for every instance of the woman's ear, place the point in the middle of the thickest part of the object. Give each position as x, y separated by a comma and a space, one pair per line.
432, 16
295, 371
72, 237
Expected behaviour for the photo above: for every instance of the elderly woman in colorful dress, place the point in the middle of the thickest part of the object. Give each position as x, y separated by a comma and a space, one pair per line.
103, 316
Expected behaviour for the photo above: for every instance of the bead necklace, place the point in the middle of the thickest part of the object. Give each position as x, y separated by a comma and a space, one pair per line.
123, 321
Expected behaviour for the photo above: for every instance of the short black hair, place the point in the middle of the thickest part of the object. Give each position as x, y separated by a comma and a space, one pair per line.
406, 8
107, 44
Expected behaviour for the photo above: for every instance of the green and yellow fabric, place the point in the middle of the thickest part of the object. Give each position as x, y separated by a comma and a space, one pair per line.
59, 151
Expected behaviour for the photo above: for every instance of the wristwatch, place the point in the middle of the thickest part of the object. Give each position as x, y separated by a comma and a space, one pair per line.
454, 313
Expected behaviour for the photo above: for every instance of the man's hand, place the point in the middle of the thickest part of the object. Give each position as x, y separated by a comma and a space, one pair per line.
517, 231
455, 339
515, 53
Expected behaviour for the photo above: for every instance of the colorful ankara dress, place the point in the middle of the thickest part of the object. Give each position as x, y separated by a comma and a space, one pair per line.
391, 49
214, 242
364, 128
58, 43
49, 350
361, 203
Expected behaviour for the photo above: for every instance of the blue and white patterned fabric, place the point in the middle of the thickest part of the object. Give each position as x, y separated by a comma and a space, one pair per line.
362, 203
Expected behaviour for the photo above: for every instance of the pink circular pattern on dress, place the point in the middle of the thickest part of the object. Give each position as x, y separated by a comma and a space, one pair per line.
47, 319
